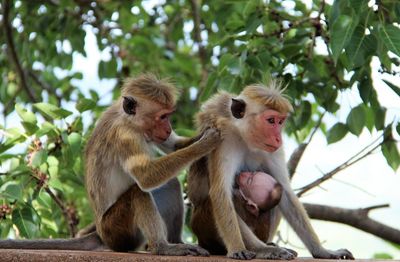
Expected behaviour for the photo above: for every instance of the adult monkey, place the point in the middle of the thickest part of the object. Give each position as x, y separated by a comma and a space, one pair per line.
250, 125
121, 170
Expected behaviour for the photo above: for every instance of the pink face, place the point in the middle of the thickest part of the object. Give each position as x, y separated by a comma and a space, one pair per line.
161, 128
256, 187
267, 132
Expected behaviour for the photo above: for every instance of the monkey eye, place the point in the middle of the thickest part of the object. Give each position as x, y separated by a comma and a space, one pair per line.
271, 120
162, 117
250, 180
281, 121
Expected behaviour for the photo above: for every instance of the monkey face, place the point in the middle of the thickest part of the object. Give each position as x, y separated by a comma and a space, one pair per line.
257, 190
161, 126
267, 132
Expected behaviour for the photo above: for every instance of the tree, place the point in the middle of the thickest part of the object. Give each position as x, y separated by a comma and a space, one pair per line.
319, 50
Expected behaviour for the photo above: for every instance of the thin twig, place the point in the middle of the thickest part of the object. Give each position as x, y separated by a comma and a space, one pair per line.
351, 161
44, 85
298, 153
12, 52
197, 39
71, 224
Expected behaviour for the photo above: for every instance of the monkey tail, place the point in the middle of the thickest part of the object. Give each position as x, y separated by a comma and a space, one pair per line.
91, 241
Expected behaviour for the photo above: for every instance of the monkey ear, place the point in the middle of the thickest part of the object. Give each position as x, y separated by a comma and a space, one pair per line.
129, 105
238, 108
252, 208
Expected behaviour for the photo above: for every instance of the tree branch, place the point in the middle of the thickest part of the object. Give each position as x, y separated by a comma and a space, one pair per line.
69, 217
299, 151
197, 38
44, 85
354, 159
12, 52
357, 218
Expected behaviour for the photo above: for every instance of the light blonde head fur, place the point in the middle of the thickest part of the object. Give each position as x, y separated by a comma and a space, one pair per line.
150, 87
270, 95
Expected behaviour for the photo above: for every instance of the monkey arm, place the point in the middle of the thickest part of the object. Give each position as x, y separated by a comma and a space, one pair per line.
294, 212
151, 173
250, 239
176, 142
221, 178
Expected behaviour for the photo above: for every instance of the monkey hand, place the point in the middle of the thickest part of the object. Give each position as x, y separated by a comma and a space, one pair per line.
210, 138
276, 253
180, 250
330, 254
243, 255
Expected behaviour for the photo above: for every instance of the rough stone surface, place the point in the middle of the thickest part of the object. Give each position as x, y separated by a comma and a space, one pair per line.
15, 255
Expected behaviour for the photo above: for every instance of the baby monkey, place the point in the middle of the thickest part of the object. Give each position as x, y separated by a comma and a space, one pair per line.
259, 191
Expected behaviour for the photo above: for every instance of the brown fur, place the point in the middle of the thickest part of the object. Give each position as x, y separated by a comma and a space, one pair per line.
136, 196
121, 170
218, 217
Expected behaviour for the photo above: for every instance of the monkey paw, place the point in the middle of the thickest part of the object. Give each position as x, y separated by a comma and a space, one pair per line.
181, 250
338, 254
211, 136
276, 253
243, 255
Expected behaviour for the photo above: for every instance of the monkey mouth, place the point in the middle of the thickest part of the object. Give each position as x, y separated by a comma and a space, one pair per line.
270, 148
159, 140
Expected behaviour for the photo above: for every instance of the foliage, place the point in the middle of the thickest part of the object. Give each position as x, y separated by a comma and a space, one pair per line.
204, 46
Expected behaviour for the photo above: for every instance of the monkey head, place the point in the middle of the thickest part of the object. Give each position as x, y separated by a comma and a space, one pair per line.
260, 191
151, 117
260, 115
147, 103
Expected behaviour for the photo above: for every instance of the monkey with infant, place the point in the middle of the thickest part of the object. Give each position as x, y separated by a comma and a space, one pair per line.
230, 220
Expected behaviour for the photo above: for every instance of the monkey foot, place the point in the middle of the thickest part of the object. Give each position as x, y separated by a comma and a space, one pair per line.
243, 255
181, 250
276, 253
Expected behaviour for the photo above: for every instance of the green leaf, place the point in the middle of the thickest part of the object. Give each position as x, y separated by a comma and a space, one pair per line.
25, 115
359, 5
108, 69
382, 256
356, 120
360, 47
341, 32
75, 140
305, 115
390, 36
39, 158
398, 128
52, 111
391, 153
395, 88
22, 219
336, 133
12, 192
85, 104
380, 115
46, 129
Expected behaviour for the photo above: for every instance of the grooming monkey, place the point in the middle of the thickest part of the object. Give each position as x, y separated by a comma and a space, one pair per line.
250, 125
136, 196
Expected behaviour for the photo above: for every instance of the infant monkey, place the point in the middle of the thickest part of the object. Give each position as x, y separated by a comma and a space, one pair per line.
259, 191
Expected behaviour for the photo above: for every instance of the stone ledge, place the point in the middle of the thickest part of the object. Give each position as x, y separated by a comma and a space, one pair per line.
14, 255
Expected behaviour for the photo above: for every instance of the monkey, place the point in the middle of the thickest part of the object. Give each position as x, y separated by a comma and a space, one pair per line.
251, 126
258, 191
134, 194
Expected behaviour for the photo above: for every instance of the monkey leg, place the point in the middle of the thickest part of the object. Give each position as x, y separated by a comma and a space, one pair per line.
118, 227
134, 217
169, 202
86, 230
203, 226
